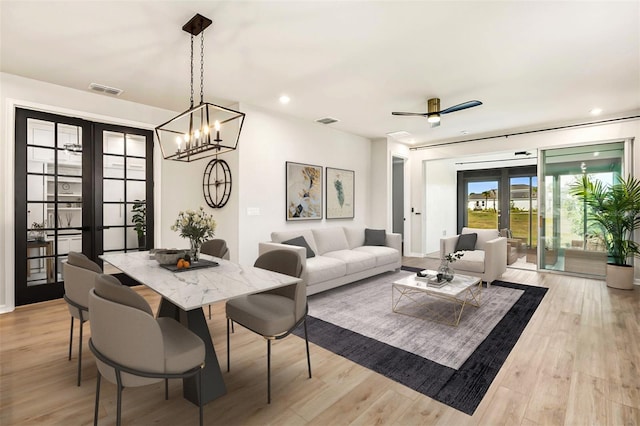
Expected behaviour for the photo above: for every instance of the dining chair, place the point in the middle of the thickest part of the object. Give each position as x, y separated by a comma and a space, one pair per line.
216, 248
132, 348
79, 274
273, 314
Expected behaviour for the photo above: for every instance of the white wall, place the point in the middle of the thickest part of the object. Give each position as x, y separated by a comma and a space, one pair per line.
268, 141
438, 167
21, 92
258, 169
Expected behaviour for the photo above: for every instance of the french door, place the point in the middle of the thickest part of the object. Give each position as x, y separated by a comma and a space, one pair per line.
501, 198
75, 185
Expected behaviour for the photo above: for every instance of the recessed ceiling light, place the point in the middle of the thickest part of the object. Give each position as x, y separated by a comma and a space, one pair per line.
465, 132
284, 99
596, 111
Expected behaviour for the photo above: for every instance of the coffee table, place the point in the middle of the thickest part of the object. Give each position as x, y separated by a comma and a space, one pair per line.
410, 292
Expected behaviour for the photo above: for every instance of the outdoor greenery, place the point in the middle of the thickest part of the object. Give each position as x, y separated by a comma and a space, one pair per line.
615, 209
488, 219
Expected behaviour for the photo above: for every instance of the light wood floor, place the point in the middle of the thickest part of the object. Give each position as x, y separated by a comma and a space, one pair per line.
577, 363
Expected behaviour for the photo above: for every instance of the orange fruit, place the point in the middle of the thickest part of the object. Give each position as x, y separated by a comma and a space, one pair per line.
180, 264
186, 264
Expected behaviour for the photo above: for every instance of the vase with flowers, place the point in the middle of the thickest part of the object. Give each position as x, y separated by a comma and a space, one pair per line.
198, 226
445, 271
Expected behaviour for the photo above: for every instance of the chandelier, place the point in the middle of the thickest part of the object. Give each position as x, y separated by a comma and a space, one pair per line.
205, 129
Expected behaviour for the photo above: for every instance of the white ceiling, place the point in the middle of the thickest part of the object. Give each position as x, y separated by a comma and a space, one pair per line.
531, 63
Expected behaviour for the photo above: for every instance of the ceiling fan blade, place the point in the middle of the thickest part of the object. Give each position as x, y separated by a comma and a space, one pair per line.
422, 114
464, 105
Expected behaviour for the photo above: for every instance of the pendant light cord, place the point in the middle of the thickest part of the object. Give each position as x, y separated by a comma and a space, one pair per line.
202, 67
191, 98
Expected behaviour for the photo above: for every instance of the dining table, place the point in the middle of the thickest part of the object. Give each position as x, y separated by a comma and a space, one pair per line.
185, 291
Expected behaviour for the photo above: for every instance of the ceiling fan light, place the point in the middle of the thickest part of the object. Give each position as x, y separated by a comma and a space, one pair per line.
435, 118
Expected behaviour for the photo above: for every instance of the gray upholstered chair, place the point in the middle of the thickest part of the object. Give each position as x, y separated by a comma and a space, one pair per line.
132, 348
274, 314
79, 276
216, 248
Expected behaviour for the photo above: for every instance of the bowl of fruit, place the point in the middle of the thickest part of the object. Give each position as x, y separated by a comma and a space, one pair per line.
169, 256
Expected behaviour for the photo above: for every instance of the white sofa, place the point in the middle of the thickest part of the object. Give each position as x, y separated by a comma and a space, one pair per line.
487, 261
340, 255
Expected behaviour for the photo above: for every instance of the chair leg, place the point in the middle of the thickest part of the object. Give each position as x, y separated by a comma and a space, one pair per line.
199, 384
306, 339
119, 399
166, 389
70, 338
95, 413
80, 353
228, 348
233, 330
268, 371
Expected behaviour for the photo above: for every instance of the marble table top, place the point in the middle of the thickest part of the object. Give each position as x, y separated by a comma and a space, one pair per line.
195, 288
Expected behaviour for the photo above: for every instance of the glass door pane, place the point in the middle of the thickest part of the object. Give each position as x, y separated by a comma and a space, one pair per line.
63, 201
568, 242
523, 214
126, 188
50, 202
483, 204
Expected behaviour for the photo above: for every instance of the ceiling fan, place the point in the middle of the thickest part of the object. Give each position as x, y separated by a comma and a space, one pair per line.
433, 110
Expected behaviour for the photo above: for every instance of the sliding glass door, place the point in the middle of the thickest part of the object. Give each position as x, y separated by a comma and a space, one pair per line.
568, 242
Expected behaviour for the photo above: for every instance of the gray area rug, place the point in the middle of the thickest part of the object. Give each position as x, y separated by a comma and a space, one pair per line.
365, 308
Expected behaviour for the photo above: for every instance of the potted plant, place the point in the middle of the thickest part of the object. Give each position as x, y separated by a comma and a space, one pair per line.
615, 209
140, 221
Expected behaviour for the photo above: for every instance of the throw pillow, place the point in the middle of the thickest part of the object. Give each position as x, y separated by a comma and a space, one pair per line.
375, 237
466, 242
300, 242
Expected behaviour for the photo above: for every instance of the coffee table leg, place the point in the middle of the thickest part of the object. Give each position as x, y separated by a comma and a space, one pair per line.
212, 382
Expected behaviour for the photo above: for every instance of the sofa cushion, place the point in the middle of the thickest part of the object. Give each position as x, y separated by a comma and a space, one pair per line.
484, 235
321, 268
472, 261
300, 242
356, 261
375, 237
384, 255
279, 237
355, 236
466, 242
330, 239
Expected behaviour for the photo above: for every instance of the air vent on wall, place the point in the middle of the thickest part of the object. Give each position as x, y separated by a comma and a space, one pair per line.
326, 120
105, 89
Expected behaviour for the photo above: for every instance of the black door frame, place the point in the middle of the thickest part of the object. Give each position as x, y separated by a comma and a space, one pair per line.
502, 175
91, 198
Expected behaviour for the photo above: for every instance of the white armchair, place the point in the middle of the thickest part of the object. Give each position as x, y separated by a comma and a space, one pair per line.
487, 261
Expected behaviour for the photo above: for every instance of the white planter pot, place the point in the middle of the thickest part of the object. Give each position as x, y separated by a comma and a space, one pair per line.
620, 277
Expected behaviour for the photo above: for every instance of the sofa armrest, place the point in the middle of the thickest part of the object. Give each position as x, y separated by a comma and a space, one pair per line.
269, 246
394, 241
495, 258
447, 245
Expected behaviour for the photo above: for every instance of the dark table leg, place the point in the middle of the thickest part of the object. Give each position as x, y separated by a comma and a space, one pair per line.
212, 382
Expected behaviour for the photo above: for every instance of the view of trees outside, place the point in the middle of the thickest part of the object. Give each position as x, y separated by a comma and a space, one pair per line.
572, 218
483, 204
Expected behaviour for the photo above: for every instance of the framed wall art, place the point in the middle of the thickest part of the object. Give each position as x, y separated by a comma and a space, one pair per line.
340, 193
304, 191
